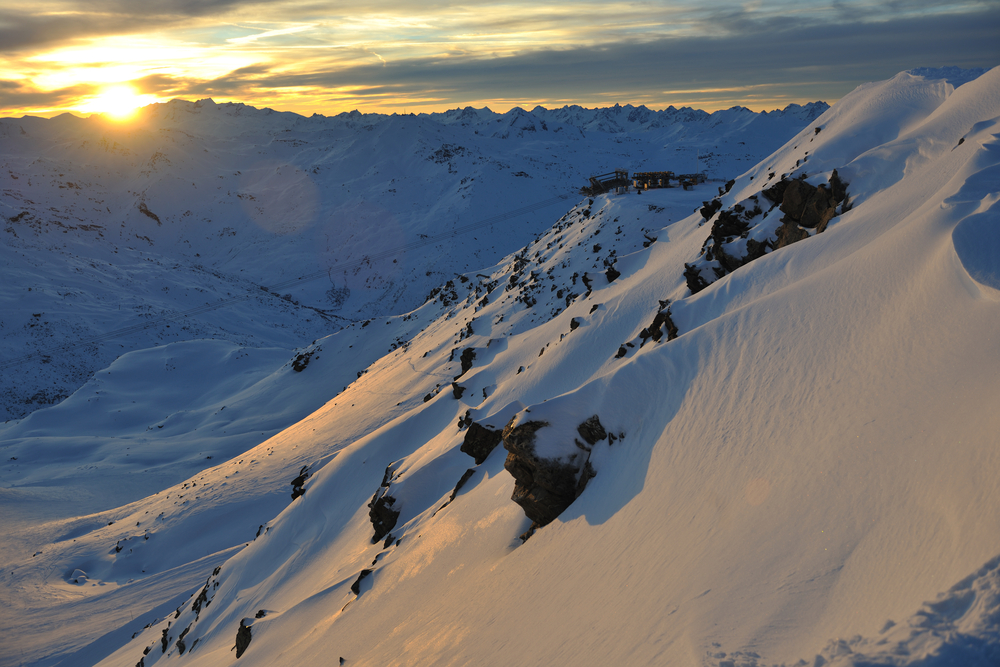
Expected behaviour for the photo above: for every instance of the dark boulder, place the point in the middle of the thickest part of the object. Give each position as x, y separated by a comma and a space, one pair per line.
356, 586
545, 487
243, 637
298, 484
480, 441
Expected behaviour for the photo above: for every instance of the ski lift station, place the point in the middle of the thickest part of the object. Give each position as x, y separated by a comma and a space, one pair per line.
620, 182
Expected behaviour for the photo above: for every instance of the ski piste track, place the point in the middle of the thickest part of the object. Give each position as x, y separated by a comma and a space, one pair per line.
222, 303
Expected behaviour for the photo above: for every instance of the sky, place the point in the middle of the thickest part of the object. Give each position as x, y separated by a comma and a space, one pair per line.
308, 56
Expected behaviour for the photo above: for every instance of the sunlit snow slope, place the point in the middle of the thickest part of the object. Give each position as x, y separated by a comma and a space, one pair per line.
797, 465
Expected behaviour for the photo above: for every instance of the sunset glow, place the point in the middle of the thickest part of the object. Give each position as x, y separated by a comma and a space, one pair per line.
117, 102
62, 55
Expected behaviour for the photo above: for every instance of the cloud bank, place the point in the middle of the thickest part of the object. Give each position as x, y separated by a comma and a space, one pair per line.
330, 57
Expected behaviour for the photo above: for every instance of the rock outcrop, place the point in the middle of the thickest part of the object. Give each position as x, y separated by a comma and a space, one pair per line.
806, 209
544, 487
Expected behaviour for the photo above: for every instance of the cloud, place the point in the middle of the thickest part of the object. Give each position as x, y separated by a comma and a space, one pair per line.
320, 57
834, 58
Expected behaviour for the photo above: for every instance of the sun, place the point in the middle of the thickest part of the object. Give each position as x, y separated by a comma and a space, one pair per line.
118, 102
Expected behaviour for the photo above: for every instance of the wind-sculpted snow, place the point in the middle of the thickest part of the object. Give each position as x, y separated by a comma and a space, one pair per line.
794, 459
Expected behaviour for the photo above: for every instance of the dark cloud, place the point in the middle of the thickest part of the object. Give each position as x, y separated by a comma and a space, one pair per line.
822, 60
17, 95
27, 31
759, 56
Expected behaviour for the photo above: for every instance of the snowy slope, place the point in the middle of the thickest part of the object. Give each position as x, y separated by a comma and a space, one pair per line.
788, 480
118, 237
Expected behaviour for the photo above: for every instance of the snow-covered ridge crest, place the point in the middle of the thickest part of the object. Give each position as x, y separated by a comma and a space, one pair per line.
807, 457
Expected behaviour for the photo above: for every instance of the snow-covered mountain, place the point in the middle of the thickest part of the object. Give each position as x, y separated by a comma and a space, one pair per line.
269, 229
759, 433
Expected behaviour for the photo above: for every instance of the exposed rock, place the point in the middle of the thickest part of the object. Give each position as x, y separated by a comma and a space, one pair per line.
612, 274
243, 637
298, 488
756, 250
301, 360
574, 323
458, 487
592, 431
356, 586
805, 206
710, 208
181, 646
381, 512
837, 187
468, 355
545, 487
480, 441
695, 281
794, 200
655, 330
466, 476
457, 390
728, 224
789, 233
776, 193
